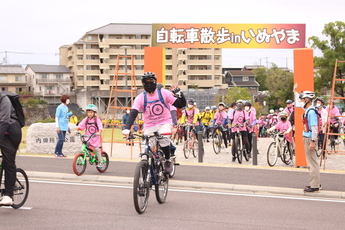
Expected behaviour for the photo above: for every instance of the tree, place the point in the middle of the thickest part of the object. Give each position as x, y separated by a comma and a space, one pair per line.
333, 48
261, 76
280, 86
235, 94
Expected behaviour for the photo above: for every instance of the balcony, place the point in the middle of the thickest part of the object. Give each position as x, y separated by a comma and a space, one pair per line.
70, 53
104, 65
103, 45
104, 55
53, 81
104, 76
91, 51
70, 63
182, 57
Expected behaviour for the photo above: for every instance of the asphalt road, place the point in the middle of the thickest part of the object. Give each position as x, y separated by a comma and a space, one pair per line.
246, 176
97, 206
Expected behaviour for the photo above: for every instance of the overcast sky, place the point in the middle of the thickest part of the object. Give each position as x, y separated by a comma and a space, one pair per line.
40, 27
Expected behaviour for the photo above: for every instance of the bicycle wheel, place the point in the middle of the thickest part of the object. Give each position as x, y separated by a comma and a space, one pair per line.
238, 150
173, 161
272, 154
195, 148
105, 161
186, 149
21, 189
141, 187
79, 164
287, 155
161, 188
216, 143
245, 153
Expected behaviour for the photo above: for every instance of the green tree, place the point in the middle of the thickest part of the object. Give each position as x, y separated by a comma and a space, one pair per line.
332, 48
280, 86
261, 76
235, 94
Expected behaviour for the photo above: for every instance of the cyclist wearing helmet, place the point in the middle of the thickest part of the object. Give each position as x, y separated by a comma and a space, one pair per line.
61, 119
155, 105
190, 116
310, 133
220, 119
93, 126
289, 107
252, 122
241, 118
319, 103
334, 121
205, 118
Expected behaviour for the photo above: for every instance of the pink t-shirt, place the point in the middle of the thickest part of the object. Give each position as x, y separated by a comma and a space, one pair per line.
252, 118
156, 113
238, 118
334, 112
283, 127
190, 113
220, 116
90, 125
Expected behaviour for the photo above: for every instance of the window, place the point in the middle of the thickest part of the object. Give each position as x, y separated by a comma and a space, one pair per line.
44, 76
19, 78
245, 78
168, 77
80, 68
88, 78
90, 37
88, 57
88, 46
58, 76
80, 78
80, 57
4, 89
49, 87
79, 47
19, 89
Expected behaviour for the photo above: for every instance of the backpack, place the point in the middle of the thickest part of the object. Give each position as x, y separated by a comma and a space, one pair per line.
14, 98
93, 123
160, 99
305, 120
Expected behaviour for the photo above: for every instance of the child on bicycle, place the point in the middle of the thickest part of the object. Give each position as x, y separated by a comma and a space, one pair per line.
220, 119
93, 126
284, 126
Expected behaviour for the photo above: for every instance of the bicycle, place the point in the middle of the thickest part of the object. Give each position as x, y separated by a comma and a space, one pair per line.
239, 147
148, 172
217, 137
279, 148
21, 186
332, 140
80, 161
178, 135
191, 144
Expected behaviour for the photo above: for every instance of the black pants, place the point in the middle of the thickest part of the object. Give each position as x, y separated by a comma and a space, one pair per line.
250, 141
244, 141
9, 151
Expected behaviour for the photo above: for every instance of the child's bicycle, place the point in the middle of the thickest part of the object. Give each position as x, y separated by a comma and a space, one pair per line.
80, 160
21, 187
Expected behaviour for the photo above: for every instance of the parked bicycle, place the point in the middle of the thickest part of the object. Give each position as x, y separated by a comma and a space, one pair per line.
191, 144
279, 148
21, 187
150, 172
87, 151
240, 148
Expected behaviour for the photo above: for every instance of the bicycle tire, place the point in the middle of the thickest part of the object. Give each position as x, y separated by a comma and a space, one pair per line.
173, 161
186, 149
238, 150
141, 187
21, 189
105, 158
195, 148
272, 154
79, 164
215, 143
287, 155
162, 186
245, 153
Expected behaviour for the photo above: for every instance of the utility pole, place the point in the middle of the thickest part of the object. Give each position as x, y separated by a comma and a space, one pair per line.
6, 59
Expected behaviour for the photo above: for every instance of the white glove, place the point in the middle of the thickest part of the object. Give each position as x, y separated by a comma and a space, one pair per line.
126, 131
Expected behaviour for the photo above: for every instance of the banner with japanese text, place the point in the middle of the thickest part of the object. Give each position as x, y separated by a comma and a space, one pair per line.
266, 36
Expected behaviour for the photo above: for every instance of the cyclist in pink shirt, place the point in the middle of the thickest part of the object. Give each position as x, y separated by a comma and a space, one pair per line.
284, 126
220, 119
155, 105
241, 118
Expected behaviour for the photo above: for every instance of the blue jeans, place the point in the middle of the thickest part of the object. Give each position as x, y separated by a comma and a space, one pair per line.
59, 143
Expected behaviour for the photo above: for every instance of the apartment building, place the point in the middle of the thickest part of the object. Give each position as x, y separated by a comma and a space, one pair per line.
49, 82
13, 78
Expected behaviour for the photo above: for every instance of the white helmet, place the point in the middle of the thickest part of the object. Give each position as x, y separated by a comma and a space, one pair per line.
281, 109
307, 94
271, 111
207, 108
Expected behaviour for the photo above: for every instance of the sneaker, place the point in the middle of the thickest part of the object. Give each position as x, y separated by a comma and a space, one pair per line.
168, 166
57, 155
172, 156
233, 159
6, 201
99, 165
311, 189
62, 155
227, 150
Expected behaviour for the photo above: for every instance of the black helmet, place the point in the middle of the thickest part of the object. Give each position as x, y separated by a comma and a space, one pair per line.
191, 101
247, 103
288, 101
320, 100
148, 75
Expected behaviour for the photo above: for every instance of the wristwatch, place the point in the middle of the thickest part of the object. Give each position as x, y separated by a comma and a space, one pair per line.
313, 140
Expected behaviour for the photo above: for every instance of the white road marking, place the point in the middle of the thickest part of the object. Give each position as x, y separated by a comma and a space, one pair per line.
201, 191
27, 208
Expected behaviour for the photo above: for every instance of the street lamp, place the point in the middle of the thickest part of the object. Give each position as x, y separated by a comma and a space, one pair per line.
126, 77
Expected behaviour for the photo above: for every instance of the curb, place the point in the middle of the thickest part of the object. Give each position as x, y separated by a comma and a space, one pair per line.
190, 185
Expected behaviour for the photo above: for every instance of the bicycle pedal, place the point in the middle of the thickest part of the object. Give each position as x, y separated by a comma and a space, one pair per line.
176, 163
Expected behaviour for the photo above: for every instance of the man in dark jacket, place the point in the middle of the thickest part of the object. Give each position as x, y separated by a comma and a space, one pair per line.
10, 138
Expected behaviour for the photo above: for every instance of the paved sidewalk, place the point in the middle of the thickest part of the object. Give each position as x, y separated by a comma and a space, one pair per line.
335, 163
